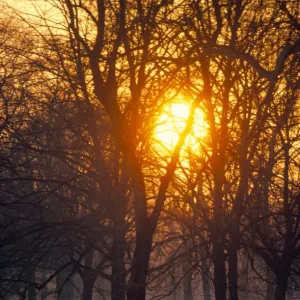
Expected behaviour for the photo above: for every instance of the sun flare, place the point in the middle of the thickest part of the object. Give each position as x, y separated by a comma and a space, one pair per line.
172, 122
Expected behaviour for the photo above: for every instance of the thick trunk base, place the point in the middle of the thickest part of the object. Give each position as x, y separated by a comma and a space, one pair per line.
220, 284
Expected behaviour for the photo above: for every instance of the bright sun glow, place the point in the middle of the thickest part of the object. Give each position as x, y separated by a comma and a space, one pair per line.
172, 122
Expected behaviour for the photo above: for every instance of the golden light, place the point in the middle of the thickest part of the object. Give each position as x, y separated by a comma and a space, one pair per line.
172, 122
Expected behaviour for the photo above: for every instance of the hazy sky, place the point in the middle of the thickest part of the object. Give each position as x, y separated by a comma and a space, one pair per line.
33, 8
27, 6
19, 3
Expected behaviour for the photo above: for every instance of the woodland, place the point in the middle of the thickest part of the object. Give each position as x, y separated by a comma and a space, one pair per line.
149, 149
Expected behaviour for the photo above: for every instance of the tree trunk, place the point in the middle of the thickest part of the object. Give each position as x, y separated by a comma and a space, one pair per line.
88, 286
118, 282
218, 237
88, 276
233, 274
280, 290
281, 284
219, 272
137, 285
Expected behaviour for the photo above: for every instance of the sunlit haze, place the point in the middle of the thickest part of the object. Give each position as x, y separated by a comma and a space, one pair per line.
172, 122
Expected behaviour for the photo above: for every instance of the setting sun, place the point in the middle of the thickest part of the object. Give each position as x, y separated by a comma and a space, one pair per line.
172, 122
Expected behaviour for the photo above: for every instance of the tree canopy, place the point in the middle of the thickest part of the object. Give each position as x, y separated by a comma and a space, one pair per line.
149, 149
